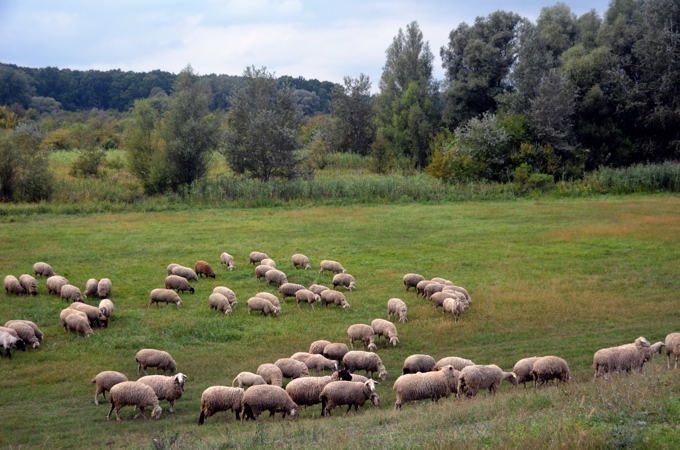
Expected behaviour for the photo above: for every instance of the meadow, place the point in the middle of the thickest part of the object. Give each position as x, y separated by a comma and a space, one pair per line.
546, 276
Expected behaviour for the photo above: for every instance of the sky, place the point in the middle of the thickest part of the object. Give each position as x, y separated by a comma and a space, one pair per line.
315, 39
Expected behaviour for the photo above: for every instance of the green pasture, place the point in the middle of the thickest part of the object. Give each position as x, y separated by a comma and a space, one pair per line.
562, 277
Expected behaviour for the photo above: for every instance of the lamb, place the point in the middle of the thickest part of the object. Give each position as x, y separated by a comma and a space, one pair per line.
178, 284
306, 296
8, 342
270, 373
455, 307
227, 260
361, 332
203, 268
76, 322
94, 315
133, 393
219, 302
672, 344
335, 351
289, 289
186, 272
418, 363
55, 283
151, 357
165, 387
90, 287
247, 379
331, 297
473, 378
161, 295
264, 306
548, 368
522, 369
328, 265
25, 332
305, 391
276, 276
29, 284
36, 330
104, 288
269, 296
351, 393
256, 257
106, 307
104, 381
397, 307
12, 285
624, 357
43, 269
266, 397
418, 386
71, 292
220, 398
261, 271
345, 280
355, 360
292, 368
317, 347
231, 295
300, 261
386, 329
411, 280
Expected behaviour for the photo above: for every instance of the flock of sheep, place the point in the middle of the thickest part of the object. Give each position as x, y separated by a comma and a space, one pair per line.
251, 393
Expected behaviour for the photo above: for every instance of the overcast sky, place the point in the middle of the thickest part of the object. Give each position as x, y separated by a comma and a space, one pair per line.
326, 40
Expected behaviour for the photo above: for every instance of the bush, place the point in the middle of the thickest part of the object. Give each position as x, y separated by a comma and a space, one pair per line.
88, 163
24, 171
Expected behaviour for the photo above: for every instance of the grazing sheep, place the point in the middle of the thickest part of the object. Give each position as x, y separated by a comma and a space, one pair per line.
247, 379
306, 296
437, 298
319, 363
351, 393
9, 341
263, 305
268, 262
171, 267
305, 391
361, 332
43, 269
150, 357
186, 272
12, 286
219, 302
161, 295
220, 398
276, 276
165, 387
455, 307
317, 347
256, 257
36, 330
331, 297
300, 261
386, 329
289, 289
133, 393
203, 268
548, 368
419, 386
418, 363
292, 368
91, 287
29, 284
227, 260
231, 296
432, 288
474, 378
94, 315
335, 351
104, 381
266, 397
178, 284
25, 332
411, 280
317, 288
522, 370
420, 287
271, 373
71, 292
355, 360
345, 280
76, 322
261, 271
672, 344
104, 288
397, 307
623, 358
269, 296
55, 283
328, 265
106, 307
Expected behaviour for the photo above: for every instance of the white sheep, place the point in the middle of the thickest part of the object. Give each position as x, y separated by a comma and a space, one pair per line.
227, 292
306, 296
261, 271
133, 393
270, 373
432, 288
622, 358
319, 363
276, 276
219, 302
273, 299
419, 386
151, 357
361, 332
166, 387
305, 391
418, 363
397, 307
71, 292
268, 262
220, 398
454, 306
263, 305
163, 295
94, 315
90, 288
266, 397
183, 271
29, 284
104, 381
25, 332
328, 265
474, 378
247, 379
345, 280
355, 360
106, 306
292, 368
76, 322
178, 284
55, 283
227, 260
331, 297
318, 346
411, 280
256, 257
335, 351
9, 341
104, 288
289, 289
351, 393
522, 370
300, 261
43, 269
36, 330
456, 361
386, 329
420, 287
672, 345
12, 285
317, 288
548, 368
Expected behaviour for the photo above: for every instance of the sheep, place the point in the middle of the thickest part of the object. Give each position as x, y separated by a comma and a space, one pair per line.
264, 306
361, 332
292, 368
29, 284
165, 387
455, 307
300, 261
522, 369
473, 378
305, 391
270, 373
289, 289
25, 332
256, 257
318, 346
90, 287
432, 288
8, 342
178, 284
94, 315
624, 357
548, 368
12, 285
133, 393
231, 295
261, 271
104, 381
319, 363
36, 330
203, 268
418, 363
106, 306
345, 280
672, 344
247, 379
328, 265
351, 393
276, 276
171, 267
411, 280
269, 296
151, 357
161, 295
104, 288
266, 397
355, 360
335, 350
76, 322
418, 386
268, 262
183, 271
43, 269
437, 298
387, 329
331, 297
317, 288
55, 283
220, 398
306, 296
219, 302
227, 260
397, 307
71, 292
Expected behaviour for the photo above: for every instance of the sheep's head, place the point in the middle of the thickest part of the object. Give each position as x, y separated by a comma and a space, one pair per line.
382, 372
642, 342
394, 340
156, 413
180, 378
370, 385
375, 399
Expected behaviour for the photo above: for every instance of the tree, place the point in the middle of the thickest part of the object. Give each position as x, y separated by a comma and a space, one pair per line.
24, 167
352, 105
263, 124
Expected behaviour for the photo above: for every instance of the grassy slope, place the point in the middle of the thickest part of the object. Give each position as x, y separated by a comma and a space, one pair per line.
556, 277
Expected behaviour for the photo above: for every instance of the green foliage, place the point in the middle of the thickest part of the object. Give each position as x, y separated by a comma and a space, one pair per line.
352, 106
88, 163
24, 170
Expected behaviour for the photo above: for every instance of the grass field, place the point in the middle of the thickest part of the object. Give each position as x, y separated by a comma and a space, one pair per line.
562, 277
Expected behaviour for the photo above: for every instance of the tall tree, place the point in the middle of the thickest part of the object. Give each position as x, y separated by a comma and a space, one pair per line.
352, 105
